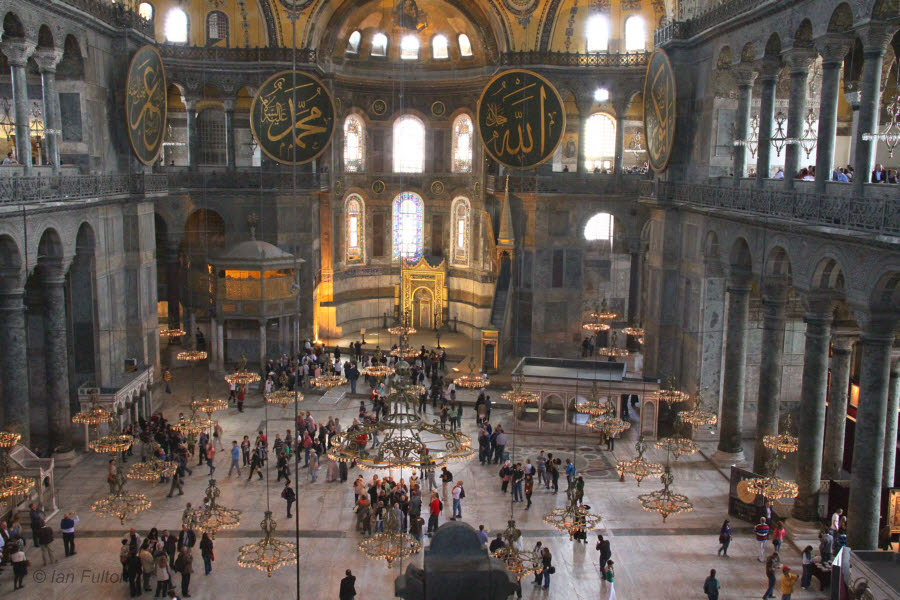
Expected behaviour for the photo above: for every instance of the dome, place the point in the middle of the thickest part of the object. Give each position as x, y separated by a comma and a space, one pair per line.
254, 252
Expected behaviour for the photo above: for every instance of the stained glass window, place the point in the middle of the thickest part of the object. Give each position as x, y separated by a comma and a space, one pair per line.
599, 141
356, 226
354, 144
635, 34
461, 211
462, 144
439, 49
408, 220
353, 42
409, 145
465, 46
597, 34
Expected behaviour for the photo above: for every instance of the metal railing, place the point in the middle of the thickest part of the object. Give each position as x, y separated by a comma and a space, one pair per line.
279, 54
688, 28
114, 14
63, 188
568, 183
243, 179
575, 59
875, 215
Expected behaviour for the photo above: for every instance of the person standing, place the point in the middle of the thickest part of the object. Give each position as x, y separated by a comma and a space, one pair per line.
541, 462
529, 489
807, 557
67, 527
177, 482
245, 451
711, 586
235, 458
725, 537
609, 575
184, 564
313, 465
446, 481
499, 444
547, 564
604, 549
352, 376
771, 565
167, 377
458, 494
289, 496
148, 565
826, 546
554, 474
45, 538
210, 456
19, 564
836, 519
761, 531
348, 586
162, 576
778, 536
788, 580
255, 464
570, 474
517, 476
206, 552
434, 510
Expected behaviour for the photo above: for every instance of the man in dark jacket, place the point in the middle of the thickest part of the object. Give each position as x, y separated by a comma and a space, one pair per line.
348, 586
605, 551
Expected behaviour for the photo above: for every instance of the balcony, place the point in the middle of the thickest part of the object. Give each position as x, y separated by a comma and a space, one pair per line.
575, 59
242, 179
71, 188
686, 29
114, 14
568, 183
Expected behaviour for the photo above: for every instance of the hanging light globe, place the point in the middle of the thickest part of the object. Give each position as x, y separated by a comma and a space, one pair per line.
518, 562
639, 468
677, 445
268, 554
697, 417
519, 395
213, 518
391, 545
665, 501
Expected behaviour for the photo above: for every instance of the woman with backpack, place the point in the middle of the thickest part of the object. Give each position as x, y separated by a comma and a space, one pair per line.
505, 476
547, 563
206, 552
724, 537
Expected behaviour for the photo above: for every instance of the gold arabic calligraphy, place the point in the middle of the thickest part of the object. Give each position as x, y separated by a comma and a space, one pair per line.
146, 104
659, 110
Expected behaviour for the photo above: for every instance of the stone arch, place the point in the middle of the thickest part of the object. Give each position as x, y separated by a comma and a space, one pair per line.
204, 228
748, 52
553, 409
45, 37
85, 240
803, 37
50, 248
71, 65
828, 275
773, 46
711, 249
841, 19
778, 263
740, 259
10, 263
12, 26
886, 295
884, 10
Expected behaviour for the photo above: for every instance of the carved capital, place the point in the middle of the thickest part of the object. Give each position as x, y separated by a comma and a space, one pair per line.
744, 75
17, 50
621, 103
875, 37
769, 67
228, 104
800, 59
842, 339
833, 47
47, 59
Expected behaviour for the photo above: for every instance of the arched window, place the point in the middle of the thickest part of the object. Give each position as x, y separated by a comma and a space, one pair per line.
379, 45
465, 46
409, 145
355, 208
408, 219
462, 144
354, 144
176, 30
439, 47
599, 141
211, 136
461, 211
409, 47
145, 10
635, 34
353, 42
601, 95
597, 34
216, 27
599, 228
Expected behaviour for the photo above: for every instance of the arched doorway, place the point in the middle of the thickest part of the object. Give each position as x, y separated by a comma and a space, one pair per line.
423, 309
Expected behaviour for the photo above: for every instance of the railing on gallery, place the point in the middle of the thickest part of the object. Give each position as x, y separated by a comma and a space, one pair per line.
243, 179
688, 28
63, 188
115, 14
277, 54
575, 59
568, 183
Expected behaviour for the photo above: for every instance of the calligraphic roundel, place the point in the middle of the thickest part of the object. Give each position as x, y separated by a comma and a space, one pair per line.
292, 117
659, 110
145, 104
521, 119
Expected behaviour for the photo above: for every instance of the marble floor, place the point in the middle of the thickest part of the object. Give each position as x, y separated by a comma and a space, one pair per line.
654, 560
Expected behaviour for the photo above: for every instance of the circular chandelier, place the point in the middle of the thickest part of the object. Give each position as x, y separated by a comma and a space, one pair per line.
404, 327
268, 554
112, 443
95, 415
574, 518
594, 406
669, 393
784, 442
191, 356
518, 562
634, 331
697, 417
378, 371
193, 425
209, 405
608, 424
612, 351
171, 333
639, 468
283, 397
677, 445
773, 488
212, 517
391, 544
152, 470
327, 381
471, 380
665, 501
519, 395
119, 503
403, 351
10, 485
241, 375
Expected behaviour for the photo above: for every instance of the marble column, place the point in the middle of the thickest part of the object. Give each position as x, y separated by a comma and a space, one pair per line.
262, 345
768, 78
213, 344
744, 76
868, 446
890, 429
838, 394
56, 359
811, 421
14, 364
220, 355
735, 369
230, 142
634, 282
799, 60
833, 49
621, 107
17, 51
875, 38
173, 295
774, 303
193, 147
47, 59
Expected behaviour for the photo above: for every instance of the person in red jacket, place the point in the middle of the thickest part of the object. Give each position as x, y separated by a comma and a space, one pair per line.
434, 509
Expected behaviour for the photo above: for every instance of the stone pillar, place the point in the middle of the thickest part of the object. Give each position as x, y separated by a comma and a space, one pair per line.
230, 143
833, 49
890, 429
17, 51
774, 301
634, 282
220, 338
768, 78
875, 38
47, 59
799, 60
262, 345
838, 390
213, 344
621, 107
744, 76
811, 421
732, 420
868, 447
56, 359
192, 141
173, 292
14, 365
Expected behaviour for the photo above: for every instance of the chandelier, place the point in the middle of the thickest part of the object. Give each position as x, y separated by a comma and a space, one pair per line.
10, 485
390, 545
665, 501
7, 121
327, 381
471, 380
612, 351
95, 415
608, 424
809, 139
634, 331
519, 395
193, 425
518, 562
209, 405
283, 396
677, 445
212, 517
779, 138
669, 393
118, 503
404, 328
191, 356
378, 371
891, 134
784, 443
594, 406
268, 554
574, 518
241, 375
170, 137
772, 487
171, 333
639, 468
752, 142
697, 417
598, 319
153, 470
112, 443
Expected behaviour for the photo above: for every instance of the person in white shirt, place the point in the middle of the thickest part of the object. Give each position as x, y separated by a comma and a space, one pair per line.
458, 494
836, 519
